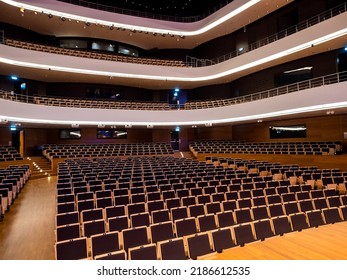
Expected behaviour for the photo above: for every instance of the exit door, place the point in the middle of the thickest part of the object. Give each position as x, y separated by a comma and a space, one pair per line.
175, 140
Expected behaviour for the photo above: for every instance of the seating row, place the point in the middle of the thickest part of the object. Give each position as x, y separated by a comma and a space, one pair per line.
296, 148
12, 180
141, 213
183, 239
105, 150
8, 153
93, 55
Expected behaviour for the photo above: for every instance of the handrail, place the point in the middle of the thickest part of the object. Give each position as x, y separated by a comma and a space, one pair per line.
190, 105
146, 14
196, 62
90, 53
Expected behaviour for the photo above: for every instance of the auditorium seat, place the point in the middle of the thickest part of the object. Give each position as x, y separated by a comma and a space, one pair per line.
263, 229
140, 219
72, 249
196, 210
93, 227
260, 212
143, 252
306, 205
281, 225
222, 239
161, 231
243, 234
67, 232
276, 210
291, 207
206, 222
199, 245
118, 223
104, 243
114, 211
185, 227
134, 237
320, 203
67, 218
298, 221
159, 216
331, 215
315, 218
243, 215
229, 205
173, 249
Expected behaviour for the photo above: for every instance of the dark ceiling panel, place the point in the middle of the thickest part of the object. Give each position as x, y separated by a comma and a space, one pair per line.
183, 8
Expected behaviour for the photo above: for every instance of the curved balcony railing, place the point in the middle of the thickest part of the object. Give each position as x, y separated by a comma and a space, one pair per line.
198, 62
190, 105
146, 14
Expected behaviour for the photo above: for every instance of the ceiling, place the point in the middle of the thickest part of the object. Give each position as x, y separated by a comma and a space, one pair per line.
55, 26
43, 24
183, 8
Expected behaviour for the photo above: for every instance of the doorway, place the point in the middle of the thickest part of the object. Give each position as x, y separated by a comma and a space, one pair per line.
175, 140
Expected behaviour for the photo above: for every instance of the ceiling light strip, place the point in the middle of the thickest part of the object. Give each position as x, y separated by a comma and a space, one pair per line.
288, 112
231, 71
202, 30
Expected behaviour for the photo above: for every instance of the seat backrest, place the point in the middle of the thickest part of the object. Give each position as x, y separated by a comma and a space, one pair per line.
263, 229
260, 212
143, 252
104, 243
198, 245
118, 223
320, 203
172, 249
206, 222
69, 231
243, 215
65, 218
196, 210
140, 219
222, 239
243, 234
161, 231
291, 207
225, 219
93, 227
298, 221
91, 214
315, 218
155, 205
185, 227
74, 249
114, 211
213, 207
331, 215
159, 216
134, 237
178, 213
281, 225
135, 208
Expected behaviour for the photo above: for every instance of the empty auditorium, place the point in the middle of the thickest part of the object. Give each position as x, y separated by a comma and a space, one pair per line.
173, 130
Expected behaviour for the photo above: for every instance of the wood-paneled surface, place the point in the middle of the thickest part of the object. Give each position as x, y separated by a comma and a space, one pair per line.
27, 233
327, 242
